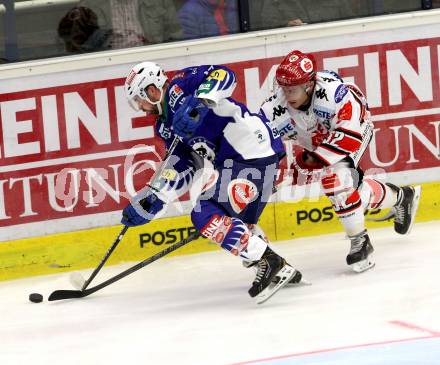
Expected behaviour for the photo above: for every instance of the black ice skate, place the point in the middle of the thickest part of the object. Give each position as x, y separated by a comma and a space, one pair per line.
295, 280
270, 266
359, 257
406, 207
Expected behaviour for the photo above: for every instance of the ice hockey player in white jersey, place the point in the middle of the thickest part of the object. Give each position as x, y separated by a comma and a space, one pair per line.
329, 120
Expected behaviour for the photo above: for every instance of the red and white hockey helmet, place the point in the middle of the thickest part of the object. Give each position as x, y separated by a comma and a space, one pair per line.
141, 76
296, 69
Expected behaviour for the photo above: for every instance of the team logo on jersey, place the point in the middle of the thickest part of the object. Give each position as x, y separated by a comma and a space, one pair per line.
203, 147
321, 94
340, 92
241, 192
346, 112
175, 93
278, 111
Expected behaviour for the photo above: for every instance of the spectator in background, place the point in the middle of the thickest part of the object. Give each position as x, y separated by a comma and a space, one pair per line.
137, 22
204, 18
267, 14
282, 13
80, 31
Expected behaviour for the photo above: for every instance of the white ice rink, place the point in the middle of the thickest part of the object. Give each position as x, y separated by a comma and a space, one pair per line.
195, 310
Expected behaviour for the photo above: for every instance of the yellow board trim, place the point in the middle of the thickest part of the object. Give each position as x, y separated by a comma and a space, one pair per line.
85, 249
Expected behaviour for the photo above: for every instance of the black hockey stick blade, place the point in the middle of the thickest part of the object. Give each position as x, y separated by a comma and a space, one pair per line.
65, 294
72, 294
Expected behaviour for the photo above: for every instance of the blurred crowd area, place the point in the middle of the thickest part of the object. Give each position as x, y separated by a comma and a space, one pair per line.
37, 29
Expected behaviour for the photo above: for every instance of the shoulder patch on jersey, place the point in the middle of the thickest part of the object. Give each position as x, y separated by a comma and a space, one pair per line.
346, 111
218, 74
340, 92
175, 93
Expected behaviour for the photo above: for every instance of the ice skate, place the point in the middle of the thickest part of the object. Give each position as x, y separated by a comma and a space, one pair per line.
296, 279
270, 266
406, 207
359, 257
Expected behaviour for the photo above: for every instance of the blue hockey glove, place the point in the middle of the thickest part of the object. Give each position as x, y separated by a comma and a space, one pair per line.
141, 211
189, 116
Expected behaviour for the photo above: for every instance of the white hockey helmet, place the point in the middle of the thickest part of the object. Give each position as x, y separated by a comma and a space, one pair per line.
140, 77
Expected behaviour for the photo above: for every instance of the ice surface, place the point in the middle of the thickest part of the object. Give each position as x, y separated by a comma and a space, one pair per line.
195, 310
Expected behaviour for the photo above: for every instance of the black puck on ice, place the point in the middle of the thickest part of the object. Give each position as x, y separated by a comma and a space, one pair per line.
35, 298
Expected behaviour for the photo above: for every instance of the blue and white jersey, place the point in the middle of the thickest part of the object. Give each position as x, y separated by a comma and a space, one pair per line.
229, 130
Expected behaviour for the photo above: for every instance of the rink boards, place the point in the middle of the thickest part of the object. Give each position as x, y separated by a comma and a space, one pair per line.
84, 249
66, 130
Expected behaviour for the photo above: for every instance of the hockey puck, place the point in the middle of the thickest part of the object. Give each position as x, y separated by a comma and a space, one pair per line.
35, 298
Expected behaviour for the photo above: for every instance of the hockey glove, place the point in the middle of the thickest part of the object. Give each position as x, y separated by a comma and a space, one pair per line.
305, 168
189, 116
141, 211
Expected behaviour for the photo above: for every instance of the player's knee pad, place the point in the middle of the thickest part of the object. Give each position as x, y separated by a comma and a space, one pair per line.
230, 233
234, 236
340, 184
344, 196
376, 195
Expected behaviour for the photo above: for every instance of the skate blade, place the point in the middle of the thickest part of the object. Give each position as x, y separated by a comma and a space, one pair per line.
363, 265
303, 282
415, 205
285, 274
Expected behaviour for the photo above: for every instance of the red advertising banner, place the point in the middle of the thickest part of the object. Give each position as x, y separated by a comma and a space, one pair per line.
81, 133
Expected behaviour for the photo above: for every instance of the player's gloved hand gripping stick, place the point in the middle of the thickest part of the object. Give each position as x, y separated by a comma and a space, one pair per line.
76, 278
189, 116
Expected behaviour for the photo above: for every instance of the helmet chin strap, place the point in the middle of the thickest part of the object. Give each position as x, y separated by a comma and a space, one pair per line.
158, 102
309, 90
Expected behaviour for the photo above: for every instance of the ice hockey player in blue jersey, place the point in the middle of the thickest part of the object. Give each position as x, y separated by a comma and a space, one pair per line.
196, 106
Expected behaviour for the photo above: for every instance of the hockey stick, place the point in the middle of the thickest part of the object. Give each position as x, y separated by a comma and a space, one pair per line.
105, 258
70, 294
76, 278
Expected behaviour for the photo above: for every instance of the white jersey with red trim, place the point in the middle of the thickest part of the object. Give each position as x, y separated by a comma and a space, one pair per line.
334, 126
